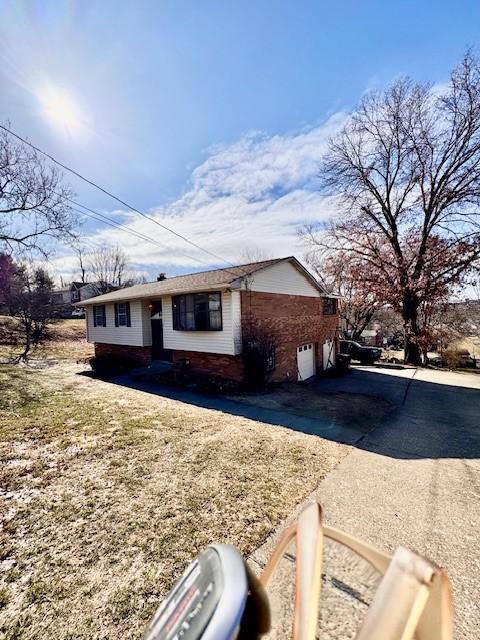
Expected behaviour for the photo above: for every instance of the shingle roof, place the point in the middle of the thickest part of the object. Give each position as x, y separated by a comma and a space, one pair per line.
217, 278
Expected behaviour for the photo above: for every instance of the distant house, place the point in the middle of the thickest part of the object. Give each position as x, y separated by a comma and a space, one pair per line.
201, 317
61, 297
65, 298
84, 290
372, 337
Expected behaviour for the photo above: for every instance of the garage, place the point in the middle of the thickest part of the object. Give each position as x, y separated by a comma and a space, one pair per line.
328, 354
306, 361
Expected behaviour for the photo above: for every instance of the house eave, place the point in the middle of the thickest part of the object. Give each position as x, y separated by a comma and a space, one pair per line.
103, 299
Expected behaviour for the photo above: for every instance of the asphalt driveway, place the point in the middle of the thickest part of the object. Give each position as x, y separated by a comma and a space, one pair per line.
415, 478
437, 413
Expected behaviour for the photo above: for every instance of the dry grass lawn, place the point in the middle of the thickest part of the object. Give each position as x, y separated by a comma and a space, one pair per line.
67, 342
108, 492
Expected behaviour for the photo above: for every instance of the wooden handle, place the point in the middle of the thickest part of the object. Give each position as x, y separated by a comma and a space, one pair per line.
308, 573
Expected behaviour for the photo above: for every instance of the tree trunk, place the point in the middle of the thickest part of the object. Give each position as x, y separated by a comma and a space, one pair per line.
412, 354
28, 341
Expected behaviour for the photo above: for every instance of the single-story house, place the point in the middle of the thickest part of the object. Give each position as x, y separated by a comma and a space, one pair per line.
201, 318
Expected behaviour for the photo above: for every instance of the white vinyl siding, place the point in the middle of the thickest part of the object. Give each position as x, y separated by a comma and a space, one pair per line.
111, 334
283, 278
204, 341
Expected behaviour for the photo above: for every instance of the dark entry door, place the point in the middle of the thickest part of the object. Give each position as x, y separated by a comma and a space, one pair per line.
158, 352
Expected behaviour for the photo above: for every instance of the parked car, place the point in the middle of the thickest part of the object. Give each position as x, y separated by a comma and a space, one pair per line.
78, 313
434, 359
366, 355
452, 360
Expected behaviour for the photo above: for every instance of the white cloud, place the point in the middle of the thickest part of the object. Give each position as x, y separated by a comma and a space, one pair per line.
255, 192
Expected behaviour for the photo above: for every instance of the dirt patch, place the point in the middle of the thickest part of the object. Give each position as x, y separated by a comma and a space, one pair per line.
351, 410
108, 492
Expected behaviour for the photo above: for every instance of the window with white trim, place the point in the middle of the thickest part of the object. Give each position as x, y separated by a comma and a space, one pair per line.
122, 314
99, 315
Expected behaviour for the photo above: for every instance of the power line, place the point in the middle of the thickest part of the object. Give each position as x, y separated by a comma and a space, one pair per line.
101, 217
111, 195
96, 215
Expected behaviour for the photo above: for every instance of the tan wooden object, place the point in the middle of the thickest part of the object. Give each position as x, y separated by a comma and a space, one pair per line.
413, 601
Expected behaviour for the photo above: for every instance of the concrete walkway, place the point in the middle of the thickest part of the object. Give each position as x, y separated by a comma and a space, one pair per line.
415, 480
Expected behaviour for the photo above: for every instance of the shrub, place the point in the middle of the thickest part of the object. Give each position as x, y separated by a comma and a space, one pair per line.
10, 332
454, 358
259, 346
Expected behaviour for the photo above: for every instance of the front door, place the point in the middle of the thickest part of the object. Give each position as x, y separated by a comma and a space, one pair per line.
158, 352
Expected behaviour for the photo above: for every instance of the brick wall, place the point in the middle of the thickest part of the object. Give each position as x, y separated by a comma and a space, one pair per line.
142, 355
297, 320
226, 366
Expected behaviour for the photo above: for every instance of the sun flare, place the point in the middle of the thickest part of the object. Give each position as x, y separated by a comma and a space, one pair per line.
63, 112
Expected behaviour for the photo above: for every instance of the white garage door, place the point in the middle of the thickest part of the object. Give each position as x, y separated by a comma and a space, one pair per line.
306, 361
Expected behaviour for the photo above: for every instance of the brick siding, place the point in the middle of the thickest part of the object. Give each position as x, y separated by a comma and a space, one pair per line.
142, 355
296, 320
227, 366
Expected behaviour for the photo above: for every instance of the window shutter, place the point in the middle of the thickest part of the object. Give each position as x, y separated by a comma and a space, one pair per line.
127, 308
104, 314
116, 314
94, 309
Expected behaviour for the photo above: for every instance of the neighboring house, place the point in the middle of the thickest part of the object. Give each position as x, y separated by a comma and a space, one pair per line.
61, 297
84, 290
199, 318
372, 338
64, 299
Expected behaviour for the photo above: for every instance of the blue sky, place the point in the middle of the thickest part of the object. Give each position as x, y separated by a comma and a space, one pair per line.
210, 115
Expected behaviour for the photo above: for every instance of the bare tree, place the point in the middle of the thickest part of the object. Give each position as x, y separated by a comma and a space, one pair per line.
34, 205
254, 253
108, 267
391, 324
81, 253
342, 273
407, 170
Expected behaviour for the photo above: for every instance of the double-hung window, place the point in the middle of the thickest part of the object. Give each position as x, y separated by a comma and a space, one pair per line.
122, 314
99, 315
329, 306
197, 312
